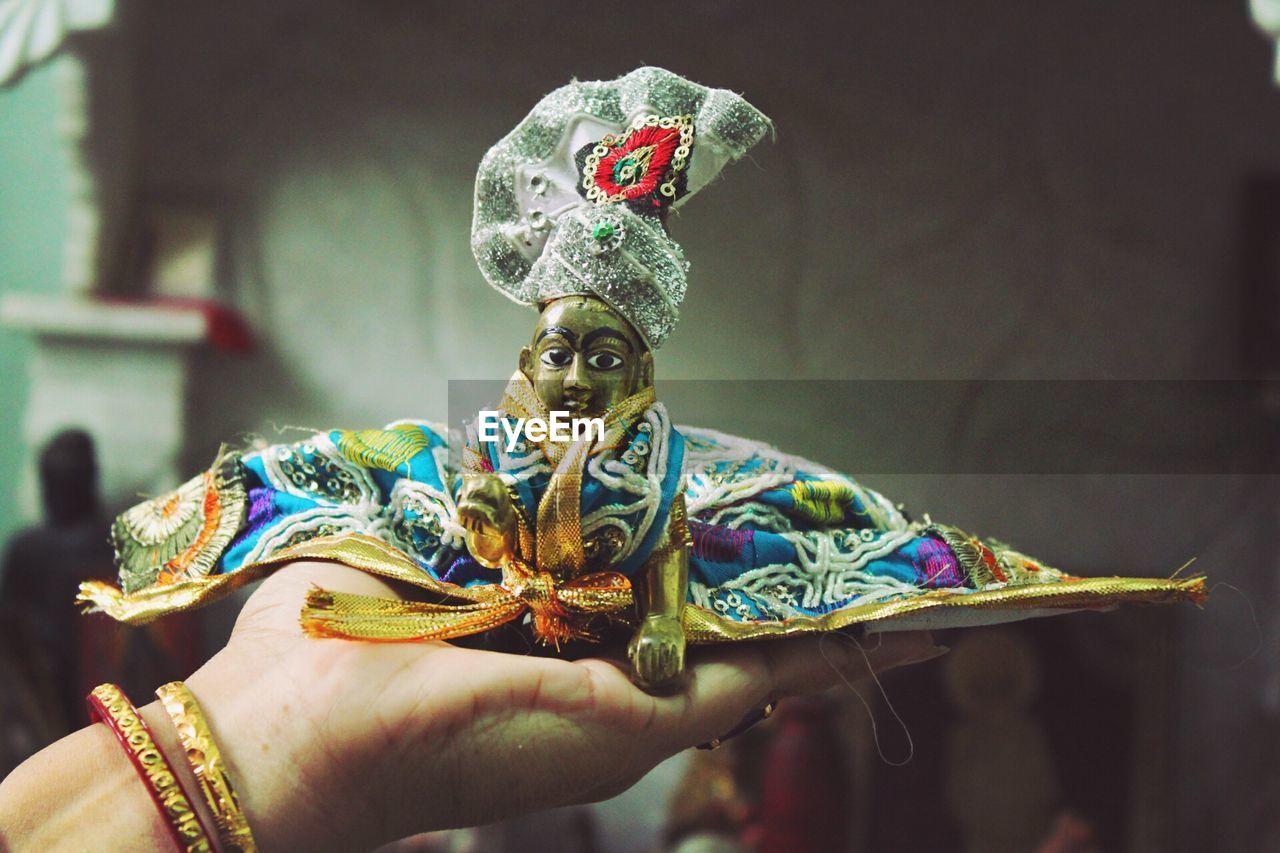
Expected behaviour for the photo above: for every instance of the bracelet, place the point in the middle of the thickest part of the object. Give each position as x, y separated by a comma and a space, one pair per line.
109, 704
206, 760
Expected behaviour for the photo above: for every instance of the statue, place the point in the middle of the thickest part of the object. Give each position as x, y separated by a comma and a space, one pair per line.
587, 360
682, 535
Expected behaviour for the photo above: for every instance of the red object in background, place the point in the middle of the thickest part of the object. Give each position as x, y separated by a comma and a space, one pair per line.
227, 329
805, 796
138, 658
1070, 833
142, 657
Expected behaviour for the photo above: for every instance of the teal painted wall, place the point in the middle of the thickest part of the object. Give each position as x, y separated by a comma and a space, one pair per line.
34, 181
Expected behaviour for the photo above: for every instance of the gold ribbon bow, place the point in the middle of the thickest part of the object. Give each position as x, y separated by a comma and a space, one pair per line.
544, 579
561, 610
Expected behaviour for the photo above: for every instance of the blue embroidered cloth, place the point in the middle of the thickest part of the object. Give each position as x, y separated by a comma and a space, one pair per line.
773, 536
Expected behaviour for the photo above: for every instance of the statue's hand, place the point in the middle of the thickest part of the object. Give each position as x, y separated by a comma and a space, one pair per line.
657, 650
486, 513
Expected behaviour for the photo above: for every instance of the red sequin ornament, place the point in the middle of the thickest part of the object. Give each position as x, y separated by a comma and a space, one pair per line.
641, 167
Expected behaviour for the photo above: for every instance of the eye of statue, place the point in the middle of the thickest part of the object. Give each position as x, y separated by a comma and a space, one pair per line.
604, 361
557, 357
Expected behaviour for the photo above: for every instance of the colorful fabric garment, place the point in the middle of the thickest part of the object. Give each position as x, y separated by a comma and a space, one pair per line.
775, 537
777, 544
772, 536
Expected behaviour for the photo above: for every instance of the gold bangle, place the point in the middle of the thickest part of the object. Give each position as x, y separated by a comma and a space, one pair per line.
206, 760
108, 703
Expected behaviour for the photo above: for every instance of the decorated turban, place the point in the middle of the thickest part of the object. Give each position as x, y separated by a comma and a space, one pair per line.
573, 201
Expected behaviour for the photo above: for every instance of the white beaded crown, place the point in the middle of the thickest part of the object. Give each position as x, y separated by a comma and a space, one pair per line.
572, 201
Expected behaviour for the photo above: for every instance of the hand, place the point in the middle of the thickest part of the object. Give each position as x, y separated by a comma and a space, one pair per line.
343, 745
657, 650
486, 513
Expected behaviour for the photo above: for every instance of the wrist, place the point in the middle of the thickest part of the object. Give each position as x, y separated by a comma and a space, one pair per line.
80, 793
166, 740
296, 767
259, 739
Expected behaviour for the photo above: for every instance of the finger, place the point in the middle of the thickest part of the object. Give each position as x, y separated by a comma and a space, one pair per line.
881, 652
646, 661
806, 667
722, 685
728, 682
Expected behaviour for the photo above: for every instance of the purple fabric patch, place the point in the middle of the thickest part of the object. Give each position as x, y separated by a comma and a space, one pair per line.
261, 506
465, 570
717, 543
936, 567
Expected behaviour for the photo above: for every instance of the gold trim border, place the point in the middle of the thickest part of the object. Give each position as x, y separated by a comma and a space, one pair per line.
706, 626
701, 624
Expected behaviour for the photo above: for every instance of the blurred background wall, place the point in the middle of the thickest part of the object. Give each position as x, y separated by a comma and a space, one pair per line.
978, 189
33, 202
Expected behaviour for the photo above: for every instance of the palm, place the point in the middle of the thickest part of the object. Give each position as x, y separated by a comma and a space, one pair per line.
428, 735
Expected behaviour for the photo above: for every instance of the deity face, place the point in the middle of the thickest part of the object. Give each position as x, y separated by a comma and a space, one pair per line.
585, 358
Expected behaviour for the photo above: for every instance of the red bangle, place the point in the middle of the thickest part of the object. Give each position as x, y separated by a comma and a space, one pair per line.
108, 703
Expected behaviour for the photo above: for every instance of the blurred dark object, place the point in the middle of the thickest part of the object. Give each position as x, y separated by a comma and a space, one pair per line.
69, 480
565, 830
1054, 734
1069, 834
805, 792
43, 568
48, 652
1260, 277
709, 804
782, 786
25, 702
1256, 825
997, 744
